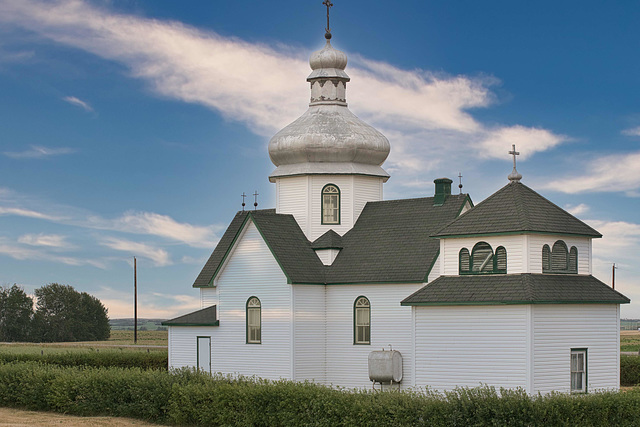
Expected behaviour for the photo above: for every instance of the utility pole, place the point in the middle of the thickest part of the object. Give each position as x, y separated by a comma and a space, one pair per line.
135, 301
613, 275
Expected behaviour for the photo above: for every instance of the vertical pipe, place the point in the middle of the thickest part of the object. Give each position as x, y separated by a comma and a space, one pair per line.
613, 275
135, 301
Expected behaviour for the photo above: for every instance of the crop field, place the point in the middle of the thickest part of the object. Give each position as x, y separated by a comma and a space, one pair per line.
629, 340
17, 417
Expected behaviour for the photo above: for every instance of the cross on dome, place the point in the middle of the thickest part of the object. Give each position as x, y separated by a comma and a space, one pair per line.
514, 176
327, 34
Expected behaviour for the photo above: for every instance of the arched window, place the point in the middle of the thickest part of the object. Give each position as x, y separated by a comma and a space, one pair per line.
330, 204
501, 260
546, 259
464, 265
559, 259
362, 321
559, 255
254, 321
482, 260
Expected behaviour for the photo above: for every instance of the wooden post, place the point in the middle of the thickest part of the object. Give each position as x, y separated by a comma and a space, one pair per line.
135, 301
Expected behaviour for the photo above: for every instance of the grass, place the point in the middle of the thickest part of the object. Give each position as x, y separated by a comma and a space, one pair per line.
123, 337
629, 340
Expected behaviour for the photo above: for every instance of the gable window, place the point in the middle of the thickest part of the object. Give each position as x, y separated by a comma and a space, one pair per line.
578, 370
559, 259
254, 321
362, 321
483, 260
330, 204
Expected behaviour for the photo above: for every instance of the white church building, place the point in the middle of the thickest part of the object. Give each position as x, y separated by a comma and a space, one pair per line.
501, 293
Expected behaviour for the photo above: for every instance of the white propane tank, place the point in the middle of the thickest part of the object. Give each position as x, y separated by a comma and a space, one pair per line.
385, 366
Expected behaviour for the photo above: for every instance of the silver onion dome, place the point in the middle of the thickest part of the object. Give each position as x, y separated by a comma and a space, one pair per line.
328, 138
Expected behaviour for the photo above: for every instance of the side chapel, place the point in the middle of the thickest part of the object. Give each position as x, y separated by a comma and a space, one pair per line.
499, 294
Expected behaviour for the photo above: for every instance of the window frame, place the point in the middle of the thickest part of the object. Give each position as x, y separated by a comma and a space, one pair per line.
247, 326
584, 373
355, 321
570, 256
339, 203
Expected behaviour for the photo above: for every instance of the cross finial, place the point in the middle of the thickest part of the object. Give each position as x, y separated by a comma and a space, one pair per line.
243, 203
255, 198
327, 34
514, 176
460, 178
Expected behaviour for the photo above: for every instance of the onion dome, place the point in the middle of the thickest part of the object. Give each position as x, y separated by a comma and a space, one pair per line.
328, 138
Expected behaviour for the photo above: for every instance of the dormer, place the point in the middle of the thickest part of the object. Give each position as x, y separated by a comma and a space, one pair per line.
327, 247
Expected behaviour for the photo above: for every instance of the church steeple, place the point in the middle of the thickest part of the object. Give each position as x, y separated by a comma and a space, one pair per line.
327, 145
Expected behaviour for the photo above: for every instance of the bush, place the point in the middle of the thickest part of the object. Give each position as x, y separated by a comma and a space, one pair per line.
629, 370
191, 398
95, 358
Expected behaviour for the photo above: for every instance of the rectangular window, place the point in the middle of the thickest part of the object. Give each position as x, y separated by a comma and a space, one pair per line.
363, 329
253, 325
331, 210
579, 370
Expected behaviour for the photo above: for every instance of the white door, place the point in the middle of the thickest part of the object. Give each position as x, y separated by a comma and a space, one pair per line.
204, 354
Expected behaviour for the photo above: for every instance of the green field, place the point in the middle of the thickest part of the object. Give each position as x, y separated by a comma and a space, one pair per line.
630, 340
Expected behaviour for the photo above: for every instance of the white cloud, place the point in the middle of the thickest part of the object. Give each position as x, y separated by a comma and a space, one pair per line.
225, 74
22, 253
576, 210
28, 213
77, 102
38, 152
614, 172
49, 240
151, 305
632, 131
159, 256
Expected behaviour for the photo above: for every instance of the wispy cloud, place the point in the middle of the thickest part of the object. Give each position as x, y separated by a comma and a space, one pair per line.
150, 304
18, 211
77, 102
21, 253
49, 240
159, 256
632, 131
577, 209
202, 67
615, 172
38, 152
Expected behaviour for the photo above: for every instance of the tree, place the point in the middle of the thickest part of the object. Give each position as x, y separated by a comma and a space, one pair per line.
64, 314
16, 313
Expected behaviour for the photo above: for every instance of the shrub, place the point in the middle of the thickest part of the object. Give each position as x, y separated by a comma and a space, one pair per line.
95, 358
629, 370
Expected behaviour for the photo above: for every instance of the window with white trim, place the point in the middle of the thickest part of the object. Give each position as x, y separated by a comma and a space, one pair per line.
254, 321
578, 370
362, 321
330, 204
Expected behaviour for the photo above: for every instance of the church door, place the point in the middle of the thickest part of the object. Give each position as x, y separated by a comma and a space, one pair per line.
204, 354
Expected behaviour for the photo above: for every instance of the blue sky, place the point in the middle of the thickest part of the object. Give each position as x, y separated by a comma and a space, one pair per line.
131, 127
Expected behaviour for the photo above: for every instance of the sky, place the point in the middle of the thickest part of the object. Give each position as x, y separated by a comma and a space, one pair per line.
131, 127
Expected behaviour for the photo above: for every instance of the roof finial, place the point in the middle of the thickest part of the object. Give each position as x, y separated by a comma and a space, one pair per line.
514, 176
327, 34
243, 203
255, 203
460, 178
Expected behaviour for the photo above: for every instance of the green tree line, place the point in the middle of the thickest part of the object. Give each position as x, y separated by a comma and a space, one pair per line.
61, 314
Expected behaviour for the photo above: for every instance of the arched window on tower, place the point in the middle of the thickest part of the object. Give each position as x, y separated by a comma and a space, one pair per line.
482, 260
559, 259
331, 204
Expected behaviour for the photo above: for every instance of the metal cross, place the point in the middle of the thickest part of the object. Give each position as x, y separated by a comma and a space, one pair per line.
328, 30
515, 153
243, 204
255, 198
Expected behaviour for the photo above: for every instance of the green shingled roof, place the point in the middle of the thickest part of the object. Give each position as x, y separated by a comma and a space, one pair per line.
204, 317
515, 289
329, 240
516, 208
389, 243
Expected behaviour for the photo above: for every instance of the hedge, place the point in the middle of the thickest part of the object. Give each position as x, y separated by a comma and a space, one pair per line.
186, 397
629, 370
104, 358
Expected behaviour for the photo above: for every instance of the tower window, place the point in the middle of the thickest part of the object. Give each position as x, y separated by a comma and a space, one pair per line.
482, 260
559, 259
330, 204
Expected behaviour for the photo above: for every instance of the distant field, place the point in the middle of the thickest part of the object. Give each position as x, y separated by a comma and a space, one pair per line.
629, 340
143, 324
18, 417
118, 338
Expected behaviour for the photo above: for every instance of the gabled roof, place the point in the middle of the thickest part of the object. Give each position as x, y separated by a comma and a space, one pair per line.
527, 288
389, 243
329, 240
204, 317
285, 239
516, 208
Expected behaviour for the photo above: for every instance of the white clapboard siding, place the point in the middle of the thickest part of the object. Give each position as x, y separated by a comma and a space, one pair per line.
208, 297
471, 345
514, 244
345, 184
365, 189
183, 344
347, 364
292, 197
251, 270
435, 270
559, 328
309, 333
537, 241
